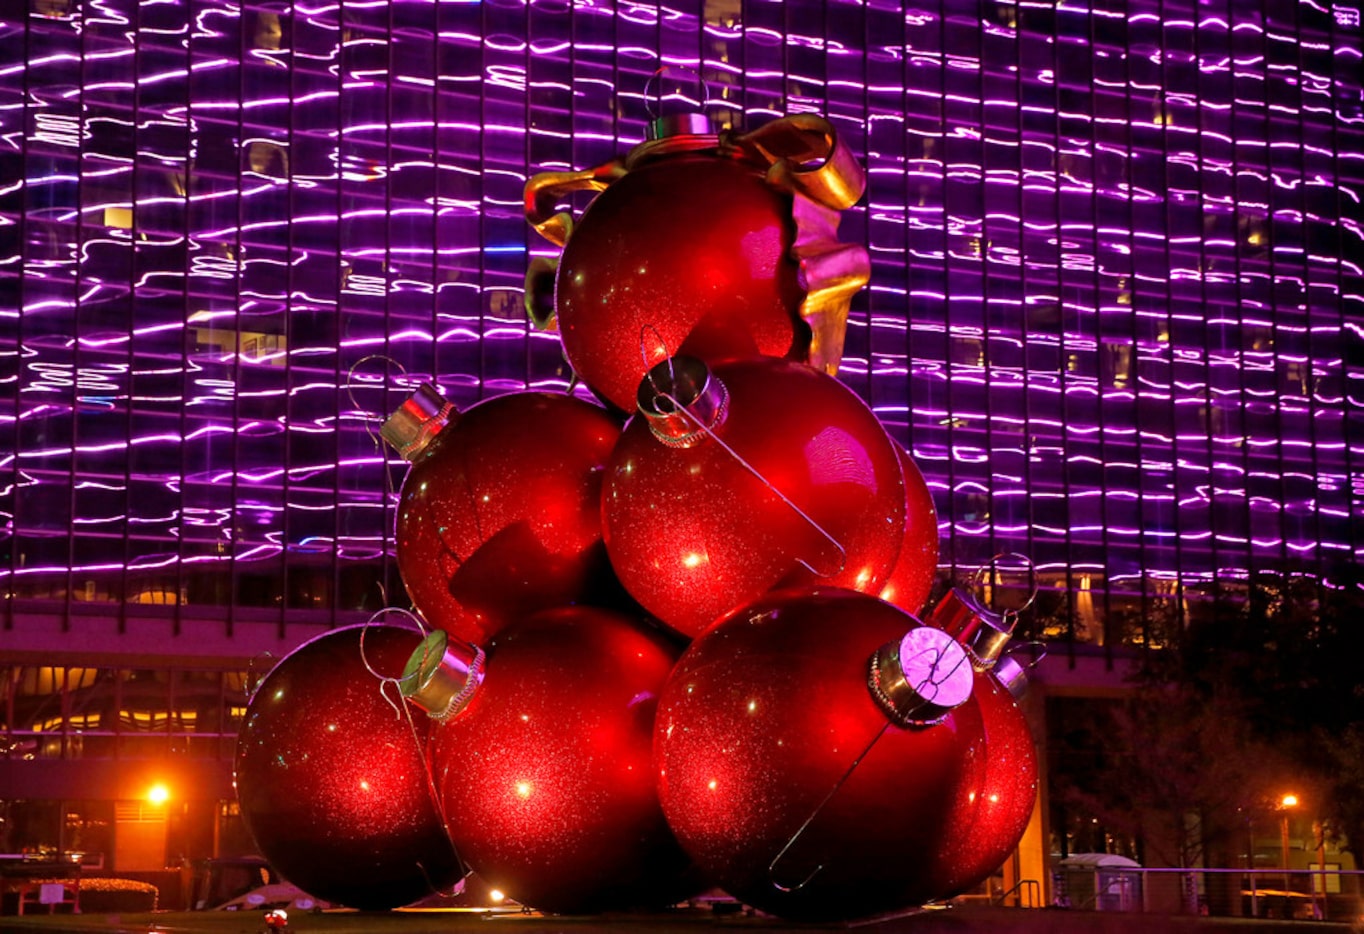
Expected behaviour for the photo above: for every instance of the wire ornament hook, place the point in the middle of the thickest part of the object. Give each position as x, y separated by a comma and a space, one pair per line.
370, 418
403, 711
987, 577
937, 678
255, 676
679, 408
399, 708
805, 825
644, 332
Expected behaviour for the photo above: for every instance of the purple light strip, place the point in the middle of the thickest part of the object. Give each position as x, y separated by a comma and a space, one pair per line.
1053, 324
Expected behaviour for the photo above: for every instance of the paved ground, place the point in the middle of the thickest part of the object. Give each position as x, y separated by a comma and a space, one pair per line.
966, 920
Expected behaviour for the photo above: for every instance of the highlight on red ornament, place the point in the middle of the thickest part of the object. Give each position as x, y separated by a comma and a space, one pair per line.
751, 475
331, 778
825, 778
541, 757
499, 515
711, 242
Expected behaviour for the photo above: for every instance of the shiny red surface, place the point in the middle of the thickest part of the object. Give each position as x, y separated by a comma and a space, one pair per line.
991, 818
546, 777
692, 533
332, 784
692, 249
500, 515
762, 718
912, 577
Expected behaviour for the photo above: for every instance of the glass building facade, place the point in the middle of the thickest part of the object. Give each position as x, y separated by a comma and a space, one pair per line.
1116, 308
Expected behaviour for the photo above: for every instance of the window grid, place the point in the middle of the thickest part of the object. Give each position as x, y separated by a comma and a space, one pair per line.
1115, 309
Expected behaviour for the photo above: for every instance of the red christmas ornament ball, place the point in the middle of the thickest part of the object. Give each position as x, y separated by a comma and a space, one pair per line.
686, 254
912, 577
545, 775
331, 781
499, 515
700, 525
788, 783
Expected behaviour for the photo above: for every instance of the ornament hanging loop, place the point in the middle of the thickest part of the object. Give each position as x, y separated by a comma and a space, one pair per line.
385, 680
256, 669
674, 96
988, 577
970, 615
370, 417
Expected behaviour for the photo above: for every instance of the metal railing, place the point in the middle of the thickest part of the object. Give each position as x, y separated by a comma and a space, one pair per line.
1025, 893
1303, 894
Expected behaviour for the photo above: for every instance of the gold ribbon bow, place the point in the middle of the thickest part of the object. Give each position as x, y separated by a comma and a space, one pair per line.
804, 157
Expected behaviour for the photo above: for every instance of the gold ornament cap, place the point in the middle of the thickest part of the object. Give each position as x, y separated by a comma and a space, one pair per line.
419, 419
682, 401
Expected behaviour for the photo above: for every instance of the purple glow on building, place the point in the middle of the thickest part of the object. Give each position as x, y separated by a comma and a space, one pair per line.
1116, 307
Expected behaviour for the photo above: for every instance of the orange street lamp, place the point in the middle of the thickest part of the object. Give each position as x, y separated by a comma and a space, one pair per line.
158, 794
1286, 803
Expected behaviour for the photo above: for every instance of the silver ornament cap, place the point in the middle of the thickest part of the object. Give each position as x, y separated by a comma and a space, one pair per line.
984, 632
682, 401
922, 677
419, 419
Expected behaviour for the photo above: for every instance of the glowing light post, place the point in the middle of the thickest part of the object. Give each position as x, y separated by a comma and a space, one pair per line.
1286, 803
158, 796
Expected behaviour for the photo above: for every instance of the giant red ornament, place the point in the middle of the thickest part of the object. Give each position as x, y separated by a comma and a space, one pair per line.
543, 765
331, 781
714, 247
911, 579
757, 474
810, 748
688, 254
499, 514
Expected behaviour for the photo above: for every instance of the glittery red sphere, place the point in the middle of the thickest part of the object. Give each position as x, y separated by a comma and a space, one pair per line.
545, 776
499, 516
332, 783
989, 819
688, 254
695, 532
767, 723
912, 577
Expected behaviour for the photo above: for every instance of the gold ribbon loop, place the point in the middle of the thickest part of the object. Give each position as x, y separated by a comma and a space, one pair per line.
806, 156
831, 273
544, 189
539, 293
